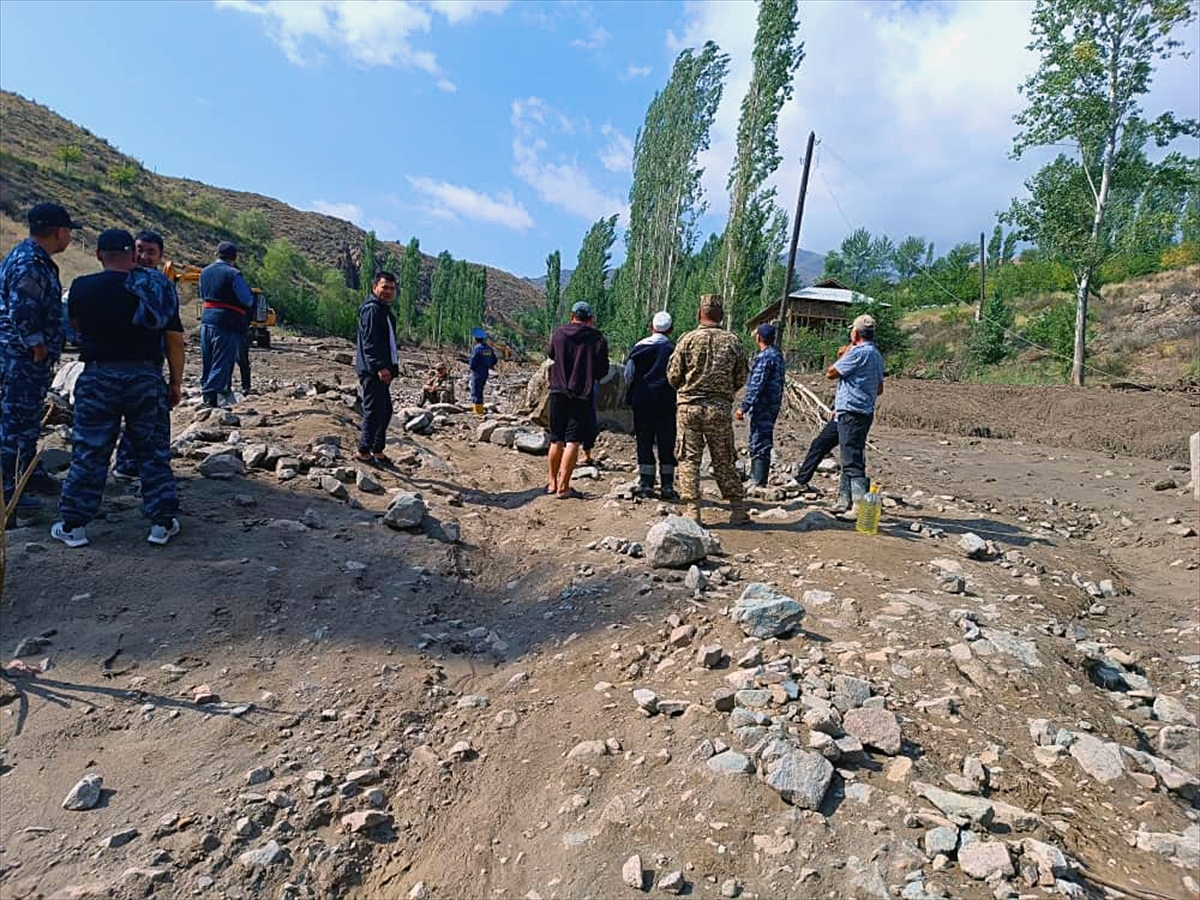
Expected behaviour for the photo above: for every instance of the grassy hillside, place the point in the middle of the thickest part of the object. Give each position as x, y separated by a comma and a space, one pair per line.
192, 216
1145, 330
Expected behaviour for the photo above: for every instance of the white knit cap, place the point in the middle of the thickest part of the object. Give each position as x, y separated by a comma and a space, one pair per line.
662, 322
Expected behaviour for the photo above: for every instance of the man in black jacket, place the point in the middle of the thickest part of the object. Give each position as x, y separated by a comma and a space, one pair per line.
580, 355
653, 402
377, 363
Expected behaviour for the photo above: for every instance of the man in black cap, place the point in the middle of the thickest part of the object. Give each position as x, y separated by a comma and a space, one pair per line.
228, 304
126, 318
763, 400
31, 341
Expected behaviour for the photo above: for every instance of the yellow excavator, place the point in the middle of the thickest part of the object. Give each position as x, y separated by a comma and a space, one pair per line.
263, 314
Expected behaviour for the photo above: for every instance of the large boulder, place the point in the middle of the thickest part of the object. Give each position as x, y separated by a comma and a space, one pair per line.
764, 612
405, 511
676, 542
611, 412
801, 778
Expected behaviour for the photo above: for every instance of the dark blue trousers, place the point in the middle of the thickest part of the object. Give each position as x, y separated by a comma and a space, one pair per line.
853, 428
377, 414
478, 382
23, 385
105, 394
825, 441
762, 435
219, 351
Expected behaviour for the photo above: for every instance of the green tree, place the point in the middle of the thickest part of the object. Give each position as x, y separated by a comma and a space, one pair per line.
68, 155
988, 343
908, 257
253, 225
1096, 61
409, 288
666, 198
861, 260
553, 292
366, 267
123, 176
588, 281
777, 55
993, 248
434, 318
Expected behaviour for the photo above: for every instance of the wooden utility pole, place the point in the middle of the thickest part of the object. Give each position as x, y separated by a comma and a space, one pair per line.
982, 276
791, 262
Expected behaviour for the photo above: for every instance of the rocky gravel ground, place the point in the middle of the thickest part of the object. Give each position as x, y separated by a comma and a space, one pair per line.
434, 681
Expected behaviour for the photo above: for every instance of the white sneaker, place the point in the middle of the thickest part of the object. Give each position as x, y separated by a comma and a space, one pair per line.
161, 534
76, 537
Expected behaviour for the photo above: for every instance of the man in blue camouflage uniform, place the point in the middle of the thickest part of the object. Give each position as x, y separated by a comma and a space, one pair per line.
31, 341
764, 397
481, 363
148, 248
126, 317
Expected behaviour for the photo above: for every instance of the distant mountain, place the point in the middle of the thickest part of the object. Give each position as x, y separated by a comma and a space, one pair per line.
192, 217
809, 267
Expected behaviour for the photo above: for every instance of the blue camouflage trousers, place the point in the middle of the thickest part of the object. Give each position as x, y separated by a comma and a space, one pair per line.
762, 435
219, 351
23, 385
104, 394
127, 461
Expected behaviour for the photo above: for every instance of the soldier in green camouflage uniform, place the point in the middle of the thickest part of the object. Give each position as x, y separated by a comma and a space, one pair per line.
706, 369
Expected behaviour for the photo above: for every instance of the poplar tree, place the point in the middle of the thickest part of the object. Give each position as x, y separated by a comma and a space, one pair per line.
666, 198
409, 288
366, 268
752, 209
553, 291
588, 282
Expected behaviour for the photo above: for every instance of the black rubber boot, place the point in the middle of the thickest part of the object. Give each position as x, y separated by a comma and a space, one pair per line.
645, 486
759, 469
844, 499
666, 477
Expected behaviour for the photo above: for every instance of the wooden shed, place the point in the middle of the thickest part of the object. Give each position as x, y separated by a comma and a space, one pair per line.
824, 303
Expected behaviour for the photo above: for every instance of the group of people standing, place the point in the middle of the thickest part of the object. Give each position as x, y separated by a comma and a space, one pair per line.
682, 396
126, 317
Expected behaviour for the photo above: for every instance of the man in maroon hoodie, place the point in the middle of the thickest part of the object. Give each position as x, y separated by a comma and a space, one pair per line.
580, 355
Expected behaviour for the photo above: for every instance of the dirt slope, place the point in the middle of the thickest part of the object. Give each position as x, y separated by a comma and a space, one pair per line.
340, 646
30, 173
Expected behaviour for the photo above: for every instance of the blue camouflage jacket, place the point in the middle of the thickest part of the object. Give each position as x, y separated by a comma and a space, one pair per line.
30, 301
764, 390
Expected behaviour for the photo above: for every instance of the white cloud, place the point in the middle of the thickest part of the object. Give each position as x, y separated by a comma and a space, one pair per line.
445, 84
597, 37
635, 72
351, 212
457, 11
368, 32
914, 116
617, 155
562, 183
451, 201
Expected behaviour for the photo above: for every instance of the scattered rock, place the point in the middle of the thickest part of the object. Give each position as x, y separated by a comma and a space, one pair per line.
972, 546
801, 778
876, 728
730, 763
269, 854
710, 656
764, 612
646, 699
365, 820
677, 541
532, 442
632, 873
984, 860
85, 794
367, 484
672, 883
1181, 745
260, 775
588, 748
221, 466
1099, 759
405, 511
943, 839
120, 839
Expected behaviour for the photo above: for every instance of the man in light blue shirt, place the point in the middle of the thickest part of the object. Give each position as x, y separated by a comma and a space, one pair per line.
859, 374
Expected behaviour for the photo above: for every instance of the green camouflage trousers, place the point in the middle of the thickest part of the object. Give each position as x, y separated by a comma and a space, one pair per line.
710, 424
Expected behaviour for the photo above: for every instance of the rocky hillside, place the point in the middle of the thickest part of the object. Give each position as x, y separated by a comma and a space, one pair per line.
192, 216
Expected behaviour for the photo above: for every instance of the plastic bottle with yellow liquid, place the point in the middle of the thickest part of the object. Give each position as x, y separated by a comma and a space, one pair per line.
868, 512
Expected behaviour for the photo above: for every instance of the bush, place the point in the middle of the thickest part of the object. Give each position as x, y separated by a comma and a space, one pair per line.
253, 225
988, 343
1184, 254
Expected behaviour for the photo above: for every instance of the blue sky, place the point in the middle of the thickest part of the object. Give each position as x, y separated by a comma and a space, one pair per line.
499, 131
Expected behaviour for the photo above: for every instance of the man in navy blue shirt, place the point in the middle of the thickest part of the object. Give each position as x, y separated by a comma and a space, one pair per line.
859, 374
377, 359
228, 304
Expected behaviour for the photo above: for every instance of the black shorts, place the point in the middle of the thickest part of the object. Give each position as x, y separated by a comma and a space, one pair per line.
572, 421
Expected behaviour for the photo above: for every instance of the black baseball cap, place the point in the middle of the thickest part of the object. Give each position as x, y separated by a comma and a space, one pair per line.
50, 215
227, 250
114, 240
